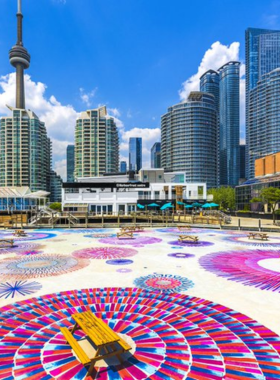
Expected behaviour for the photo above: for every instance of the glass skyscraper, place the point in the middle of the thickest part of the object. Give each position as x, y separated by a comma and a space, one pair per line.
156, 155
123, 167
229, 124
135, 153
70, 161
189, 139
264, 118
262, 56
210, 82
96, 144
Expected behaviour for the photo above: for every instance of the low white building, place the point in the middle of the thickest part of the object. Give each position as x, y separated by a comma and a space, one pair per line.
121, 193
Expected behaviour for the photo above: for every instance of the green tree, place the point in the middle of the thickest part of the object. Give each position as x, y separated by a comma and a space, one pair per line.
271, 196
56, 206
223, 196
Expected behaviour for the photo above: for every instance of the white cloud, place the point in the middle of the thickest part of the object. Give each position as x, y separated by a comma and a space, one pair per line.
60, 168
214, 58
115, 113
86, 97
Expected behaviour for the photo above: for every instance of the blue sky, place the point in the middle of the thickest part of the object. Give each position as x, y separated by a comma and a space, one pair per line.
132, 55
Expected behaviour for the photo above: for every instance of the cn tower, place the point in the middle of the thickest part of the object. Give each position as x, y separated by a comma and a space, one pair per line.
20, 59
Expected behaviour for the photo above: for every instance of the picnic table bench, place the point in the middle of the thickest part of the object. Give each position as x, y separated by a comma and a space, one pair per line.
19, 233
6, 242
125, 234
106, 341
184, 227
256, 235
188, 237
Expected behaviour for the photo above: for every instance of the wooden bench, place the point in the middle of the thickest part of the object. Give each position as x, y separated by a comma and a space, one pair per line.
125, 234
188, 237
6, 243
100, 334
257, 235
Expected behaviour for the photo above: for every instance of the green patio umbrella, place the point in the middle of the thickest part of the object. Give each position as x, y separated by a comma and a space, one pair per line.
165, 206
214, 205
140, 206
188, 206
153, 205
180, 203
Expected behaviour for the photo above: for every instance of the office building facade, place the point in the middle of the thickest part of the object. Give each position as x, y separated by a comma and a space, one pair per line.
55, 187
229, 132
135, 153
189, 139
242, 150
262, 57
96, 144
123, 167
156, 155
70, 163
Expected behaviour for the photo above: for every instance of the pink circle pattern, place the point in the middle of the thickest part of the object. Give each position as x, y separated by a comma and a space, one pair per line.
243, 266
104, 253
138, 241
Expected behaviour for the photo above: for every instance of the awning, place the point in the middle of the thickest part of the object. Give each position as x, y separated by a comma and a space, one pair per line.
78, 205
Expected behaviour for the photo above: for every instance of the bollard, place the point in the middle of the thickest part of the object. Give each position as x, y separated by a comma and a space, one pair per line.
239, 226
260, 225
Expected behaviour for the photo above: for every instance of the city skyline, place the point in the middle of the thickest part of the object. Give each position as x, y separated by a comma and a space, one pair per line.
59, 104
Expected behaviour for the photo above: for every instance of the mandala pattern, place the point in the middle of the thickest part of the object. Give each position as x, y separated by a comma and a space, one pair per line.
40, 266
191, 243
22, 288
139, 241
119, 262
242, 239
99, 235
167, 283
18, 248
243, 266
181, 255
33, 236
104, 253
176, 337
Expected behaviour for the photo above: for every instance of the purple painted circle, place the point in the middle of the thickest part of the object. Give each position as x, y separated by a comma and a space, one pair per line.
191, 243
119, 262
137, 241
181, 255
124, 270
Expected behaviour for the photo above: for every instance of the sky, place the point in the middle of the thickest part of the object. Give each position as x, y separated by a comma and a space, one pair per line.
137, 57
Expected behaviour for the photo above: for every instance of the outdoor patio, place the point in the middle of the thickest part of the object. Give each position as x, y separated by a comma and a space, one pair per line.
205, 310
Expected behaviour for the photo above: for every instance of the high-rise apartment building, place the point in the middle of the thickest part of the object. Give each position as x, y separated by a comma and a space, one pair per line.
70, 163
189, 139
264, 118
96, 144
156, 155
123, 167
25, 149
229, 124
210, 83
262, 57
135, 153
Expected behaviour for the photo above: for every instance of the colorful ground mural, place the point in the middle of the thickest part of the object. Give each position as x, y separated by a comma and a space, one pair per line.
175, 337
198, 311
244, 267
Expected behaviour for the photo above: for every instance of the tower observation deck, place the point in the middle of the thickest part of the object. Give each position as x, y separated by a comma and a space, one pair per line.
20, 59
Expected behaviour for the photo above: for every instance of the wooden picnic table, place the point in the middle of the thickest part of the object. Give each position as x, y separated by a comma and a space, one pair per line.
6, 242
184, 227
19, 233
107, 342
188, 237
125, 234
256, 235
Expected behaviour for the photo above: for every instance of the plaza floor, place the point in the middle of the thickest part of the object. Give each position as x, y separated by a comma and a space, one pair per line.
206, 310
